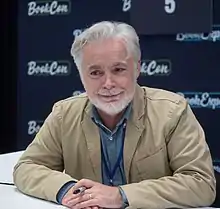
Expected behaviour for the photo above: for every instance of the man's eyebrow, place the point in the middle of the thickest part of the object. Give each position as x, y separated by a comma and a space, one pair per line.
97, 67
94, 67
119, 64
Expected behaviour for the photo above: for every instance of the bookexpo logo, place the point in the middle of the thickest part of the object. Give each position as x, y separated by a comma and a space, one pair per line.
161, 67
213, 36
48, 68
209, 100
216, 165
216, 168
39, 8
34, 126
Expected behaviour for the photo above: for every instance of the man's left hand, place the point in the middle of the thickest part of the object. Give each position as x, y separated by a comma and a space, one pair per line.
96, 194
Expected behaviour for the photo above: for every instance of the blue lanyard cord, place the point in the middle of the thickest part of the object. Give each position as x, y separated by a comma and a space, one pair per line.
111, 173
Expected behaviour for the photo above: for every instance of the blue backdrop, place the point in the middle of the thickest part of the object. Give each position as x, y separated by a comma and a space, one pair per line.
185, 61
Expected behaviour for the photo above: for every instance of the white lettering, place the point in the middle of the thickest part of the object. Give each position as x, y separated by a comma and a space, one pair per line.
155, 68
204, 100
207, 101
217, 168
77, 32
188, 36
170, 6
33, 127
48, 68
76, 93
48, 8
126, 5
213, 36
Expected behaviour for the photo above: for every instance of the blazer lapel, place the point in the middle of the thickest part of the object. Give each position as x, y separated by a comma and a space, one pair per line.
133, 134
93, 143
134, 128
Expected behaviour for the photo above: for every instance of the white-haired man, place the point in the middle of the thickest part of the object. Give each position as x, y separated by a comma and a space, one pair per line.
126, 145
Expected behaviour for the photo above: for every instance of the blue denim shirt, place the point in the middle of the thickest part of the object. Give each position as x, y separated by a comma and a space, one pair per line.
111, 142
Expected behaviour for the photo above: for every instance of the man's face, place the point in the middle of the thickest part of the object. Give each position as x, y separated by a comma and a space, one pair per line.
108, 75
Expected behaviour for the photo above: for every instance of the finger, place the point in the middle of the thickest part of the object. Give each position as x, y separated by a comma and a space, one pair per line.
88, 203
84, 182
82, 198
70, 197
90, 191
95, 207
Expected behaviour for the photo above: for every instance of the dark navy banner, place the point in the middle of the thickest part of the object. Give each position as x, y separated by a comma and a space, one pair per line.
183, 62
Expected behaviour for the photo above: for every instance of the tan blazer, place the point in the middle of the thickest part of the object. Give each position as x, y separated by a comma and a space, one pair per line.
167, 161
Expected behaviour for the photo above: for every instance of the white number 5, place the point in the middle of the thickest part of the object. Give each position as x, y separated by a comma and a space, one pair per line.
170, 6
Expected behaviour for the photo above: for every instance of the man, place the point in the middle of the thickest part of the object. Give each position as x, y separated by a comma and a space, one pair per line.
128, 146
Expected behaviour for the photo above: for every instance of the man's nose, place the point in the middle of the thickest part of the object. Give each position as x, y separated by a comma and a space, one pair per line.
109, 82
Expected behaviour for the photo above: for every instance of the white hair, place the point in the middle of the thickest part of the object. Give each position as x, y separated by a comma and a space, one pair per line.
105, 30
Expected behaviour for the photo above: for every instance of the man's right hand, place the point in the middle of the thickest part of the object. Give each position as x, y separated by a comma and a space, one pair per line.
69, 196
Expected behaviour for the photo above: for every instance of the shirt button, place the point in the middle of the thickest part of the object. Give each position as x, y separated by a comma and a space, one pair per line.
110, 138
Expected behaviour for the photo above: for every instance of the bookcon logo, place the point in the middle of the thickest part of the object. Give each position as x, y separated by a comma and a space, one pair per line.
160, 67
126, 6
34, 126
77, 32
39, 8
49, 68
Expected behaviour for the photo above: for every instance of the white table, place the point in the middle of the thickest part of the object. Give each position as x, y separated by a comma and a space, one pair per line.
7, 163
11, 198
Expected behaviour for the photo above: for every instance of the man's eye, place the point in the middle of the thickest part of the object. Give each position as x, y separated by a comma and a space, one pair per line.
95, 73
119, 69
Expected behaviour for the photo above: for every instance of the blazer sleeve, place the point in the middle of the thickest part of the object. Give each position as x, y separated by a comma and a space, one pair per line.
39, 171
193, 182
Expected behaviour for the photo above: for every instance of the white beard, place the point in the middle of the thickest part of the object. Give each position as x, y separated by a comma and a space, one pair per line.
112, 108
